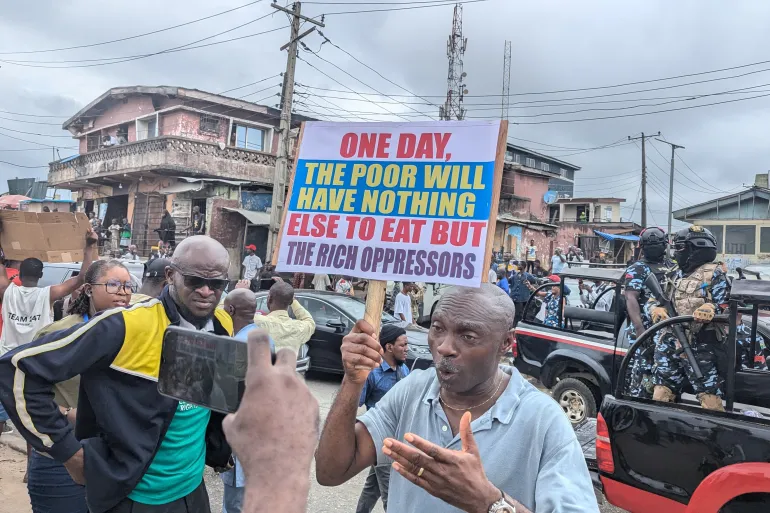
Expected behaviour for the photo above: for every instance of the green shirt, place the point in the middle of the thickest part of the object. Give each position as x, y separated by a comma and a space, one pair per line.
177, 468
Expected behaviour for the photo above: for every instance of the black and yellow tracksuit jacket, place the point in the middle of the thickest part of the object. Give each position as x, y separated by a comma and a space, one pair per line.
121, 418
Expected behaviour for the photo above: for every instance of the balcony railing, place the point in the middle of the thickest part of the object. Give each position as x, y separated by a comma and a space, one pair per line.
167, 153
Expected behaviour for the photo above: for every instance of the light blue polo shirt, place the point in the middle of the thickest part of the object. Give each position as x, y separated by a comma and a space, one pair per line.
527, 445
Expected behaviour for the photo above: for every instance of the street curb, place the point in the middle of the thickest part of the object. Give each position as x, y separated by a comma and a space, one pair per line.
15, 442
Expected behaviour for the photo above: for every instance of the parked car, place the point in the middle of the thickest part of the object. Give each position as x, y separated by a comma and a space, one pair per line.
678, 457
334, 315
55, 273
578, 360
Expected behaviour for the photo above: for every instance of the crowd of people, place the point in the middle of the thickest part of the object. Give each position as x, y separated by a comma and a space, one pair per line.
82, 391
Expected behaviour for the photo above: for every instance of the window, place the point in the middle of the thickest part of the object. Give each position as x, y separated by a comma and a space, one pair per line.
739, 239
717, 231
531, 162
764, 239
509, 156
545, 166
209, 124
517, 158
146, 128
249, 137
562, 172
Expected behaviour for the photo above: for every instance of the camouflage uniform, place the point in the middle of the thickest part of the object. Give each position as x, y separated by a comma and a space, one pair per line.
551, 310
743, 336
638, 381
416, 294
706, 284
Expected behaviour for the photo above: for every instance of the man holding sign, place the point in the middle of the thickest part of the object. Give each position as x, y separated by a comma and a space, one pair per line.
417, 202
470, 435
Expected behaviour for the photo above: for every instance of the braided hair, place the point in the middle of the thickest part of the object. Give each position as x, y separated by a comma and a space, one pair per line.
82, 305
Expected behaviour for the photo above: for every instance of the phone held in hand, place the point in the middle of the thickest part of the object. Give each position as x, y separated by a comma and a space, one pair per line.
203, 368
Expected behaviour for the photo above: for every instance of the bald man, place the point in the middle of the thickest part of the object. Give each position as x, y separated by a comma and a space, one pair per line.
285, 331
241, 304
136, 450
442, 429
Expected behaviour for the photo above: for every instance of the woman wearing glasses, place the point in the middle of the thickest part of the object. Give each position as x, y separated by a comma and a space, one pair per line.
107, 285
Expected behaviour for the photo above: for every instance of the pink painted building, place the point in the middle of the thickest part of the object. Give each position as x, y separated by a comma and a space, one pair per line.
144, 150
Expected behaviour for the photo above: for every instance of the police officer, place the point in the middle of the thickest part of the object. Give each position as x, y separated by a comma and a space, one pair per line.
701, 289
653, 244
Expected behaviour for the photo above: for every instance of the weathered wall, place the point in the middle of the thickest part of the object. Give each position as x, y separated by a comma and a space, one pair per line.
187, 124
228, 228
532, 187
121, 112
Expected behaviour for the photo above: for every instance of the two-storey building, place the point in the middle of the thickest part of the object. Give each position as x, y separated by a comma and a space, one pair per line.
145, 150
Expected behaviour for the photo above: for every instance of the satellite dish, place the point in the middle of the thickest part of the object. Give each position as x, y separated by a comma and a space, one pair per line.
550, 196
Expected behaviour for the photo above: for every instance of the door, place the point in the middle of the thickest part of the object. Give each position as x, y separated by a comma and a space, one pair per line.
148, 210
326, 343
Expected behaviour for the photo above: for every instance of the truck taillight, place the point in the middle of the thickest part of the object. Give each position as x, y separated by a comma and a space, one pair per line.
603, 446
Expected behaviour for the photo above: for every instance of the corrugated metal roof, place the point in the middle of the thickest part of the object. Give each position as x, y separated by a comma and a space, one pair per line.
255, 218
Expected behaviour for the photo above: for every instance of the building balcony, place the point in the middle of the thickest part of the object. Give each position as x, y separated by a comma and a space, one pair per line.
169, 155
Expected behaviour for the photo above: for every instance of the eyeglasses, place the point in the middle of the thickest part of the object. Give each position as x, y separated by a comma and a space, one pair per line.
194, 282
114, 286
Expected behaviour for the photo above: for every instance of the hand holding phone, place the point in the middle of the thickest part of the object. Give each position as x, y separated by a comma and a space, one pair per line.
275, 430
203, 368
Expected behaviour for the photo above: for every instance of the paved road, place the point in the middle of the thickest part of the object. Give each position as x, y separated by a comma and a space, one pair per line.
340, 499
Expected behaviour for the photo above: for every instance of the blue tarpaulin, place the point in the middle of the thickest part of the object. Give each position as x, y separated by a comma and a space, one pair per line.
610, 236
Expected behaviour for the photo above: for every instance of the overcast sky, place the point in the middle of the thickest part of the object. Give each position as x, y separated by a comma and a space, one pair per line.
557, 45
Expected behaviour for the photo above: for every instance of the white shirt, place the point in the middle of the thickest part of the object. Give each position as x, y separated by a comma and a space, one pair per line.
344, 287
321, 282
403, 306
492, 276
252, 264
25, 311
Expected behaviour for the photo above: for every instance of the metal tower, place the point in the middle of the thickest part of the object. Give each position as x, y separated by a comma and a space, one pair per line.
506, 80
452, 108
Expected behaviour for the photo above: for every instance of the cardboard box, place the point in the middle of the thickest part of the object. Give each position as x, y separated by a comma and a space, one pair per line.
48, 236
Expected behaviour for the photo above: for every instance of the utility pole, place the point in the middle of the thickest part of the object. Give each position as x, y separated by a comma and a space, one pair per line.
506, 80
671, 188
284, 130
455, 49
644, 175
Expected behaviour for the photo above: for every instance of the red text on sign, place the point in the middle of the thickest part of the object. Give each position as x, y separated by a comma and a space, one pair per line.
313, 225
457, 233
402, 230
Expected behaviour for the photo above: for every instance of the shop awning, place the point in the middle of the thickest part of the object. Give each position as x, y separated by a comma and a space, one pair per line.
612, 236
255, 218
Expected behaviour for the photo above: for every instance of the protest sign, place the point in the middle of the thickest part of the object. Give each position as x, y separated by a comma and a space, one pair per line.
394, 201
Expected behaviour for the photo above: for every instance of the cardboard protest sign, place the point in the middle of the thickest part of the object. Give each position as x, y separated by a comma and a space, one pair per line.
47, 236
395, 201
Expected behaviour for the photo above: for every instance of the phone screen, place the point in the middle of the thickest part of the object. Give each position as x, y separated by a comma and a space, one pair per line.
202, 368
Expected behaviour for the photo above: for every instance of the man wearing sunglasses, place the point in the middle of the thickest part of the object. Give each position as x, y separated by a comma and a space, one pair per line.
134, 449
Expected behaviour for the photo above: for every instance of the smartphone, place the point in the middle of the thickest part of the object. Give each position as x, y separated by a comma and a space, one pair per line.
202, 368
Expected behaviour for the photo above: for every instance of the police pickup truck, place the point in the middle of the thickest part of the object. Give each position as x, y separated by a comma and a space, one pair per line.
657, 457
578, 356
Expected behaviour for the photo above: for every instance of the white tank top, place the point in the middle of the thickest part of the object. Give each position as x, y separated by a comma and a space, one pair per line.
25, 311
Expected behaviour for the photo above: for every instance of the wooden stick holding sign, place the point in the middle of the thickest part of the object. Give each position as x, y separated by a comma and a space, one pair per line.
412, 202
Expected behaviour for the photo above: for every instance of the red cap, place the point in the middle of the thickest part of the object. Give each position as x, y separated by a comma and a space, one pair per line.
554, 278
251, 247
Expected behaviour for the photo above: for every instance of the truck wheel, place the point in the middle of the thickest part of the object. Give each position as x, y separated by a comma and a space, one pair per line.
575, 398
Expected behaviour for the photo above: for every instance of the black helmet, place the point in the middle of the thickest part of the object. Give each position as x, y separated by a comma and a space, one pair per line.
694, 246
653, 243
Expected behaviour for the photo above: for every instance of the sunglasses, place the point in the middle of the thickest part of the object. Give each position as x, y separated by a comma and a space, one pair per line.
114, 286
194, 282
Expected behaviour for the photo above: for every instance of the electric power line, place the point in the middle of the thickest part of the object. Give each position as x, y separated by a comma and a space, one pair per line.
91, 45
404, 8
637, 114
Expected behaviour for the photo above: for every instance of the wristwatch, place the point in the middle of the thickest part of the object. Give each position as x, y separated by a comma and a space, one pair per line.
502, 506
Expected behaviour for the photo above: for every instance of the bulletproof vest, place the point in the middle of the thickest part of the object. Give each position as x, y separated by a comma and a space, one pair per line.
694, 290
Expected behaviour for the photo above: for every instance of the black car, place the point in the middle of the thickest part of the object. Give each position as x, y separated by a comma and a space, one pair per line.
578, 360
678, 457
334, 315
